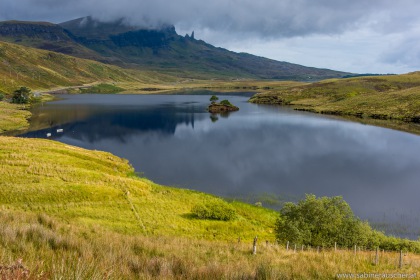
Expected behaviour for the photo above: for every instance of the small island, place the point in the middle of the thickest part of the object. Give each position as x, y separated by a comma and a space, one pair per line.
222, 106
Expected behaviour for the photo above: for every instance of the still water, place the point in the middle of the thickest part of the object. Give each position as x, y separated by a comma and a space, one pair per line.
260, 153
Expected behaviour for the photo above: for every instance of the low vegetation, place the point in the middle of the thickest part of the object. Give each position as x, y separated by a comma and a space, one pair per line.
383, 97
214, 210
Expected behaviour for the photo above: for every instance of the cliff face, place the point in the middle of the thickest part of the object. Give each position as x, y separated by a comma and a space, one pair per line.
46, 36
144, 38
44, 31
114, 35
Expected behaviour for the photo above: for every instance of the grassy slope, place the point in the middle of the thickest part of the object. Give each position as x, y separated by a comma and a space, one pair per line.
96, 188
38, 69
386, 97
69, 212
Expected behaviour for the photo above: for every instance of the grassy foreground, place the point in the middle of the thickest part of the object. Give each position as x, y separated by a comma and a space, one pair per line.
71, 213
385, 97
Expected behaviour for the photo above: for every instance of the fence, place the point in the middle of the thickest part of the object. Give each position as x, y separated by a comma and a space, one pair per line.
397, 259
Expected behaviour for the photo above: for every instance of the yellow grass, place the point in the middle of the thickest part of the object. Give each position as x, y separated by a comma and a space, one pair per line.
13, 117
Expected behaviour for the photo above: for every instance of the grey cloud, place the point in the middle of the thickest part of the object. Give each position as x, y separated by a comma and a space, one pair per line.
405, 51
265, 18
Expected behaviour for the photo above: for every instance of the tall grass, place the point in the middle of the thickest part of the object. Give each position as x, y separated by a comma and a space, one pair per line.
51, 248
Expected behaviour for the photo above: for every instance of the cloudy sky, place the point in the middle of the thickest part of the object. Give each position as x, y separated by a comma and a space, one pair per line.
376, 36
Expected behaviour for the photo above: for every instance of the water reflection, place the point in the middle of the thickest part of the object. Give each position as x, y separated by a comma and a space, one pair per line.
258, 150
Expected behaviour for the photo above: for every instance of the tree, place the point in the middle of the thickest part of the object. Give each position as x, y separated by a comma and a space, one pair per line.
22, 96
322, 222
214, 98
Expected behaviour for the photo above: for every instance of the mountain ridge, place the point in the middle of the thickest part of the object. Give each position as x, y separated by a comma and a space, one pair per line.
153, 49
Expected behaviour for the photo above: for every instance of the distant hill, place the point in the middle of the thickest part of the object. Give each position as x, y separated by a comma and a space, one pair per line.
378, 97
160, 49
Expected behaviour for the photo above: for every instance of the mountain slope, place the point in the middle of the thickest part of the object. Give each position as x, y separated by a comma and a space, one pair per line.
39, 69
165, 50
46, 36
161, 49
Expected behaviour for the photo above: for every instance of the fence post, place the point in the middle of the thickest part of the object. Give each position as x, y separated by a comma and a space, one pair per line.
254, 247
317, 249
287, 246
377, 256
295, 249
355, 249
335, 246
401, 259
302, 248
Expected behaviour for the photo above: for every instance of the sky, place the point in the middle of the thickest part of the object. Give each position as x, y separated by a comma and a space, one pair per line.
359, 36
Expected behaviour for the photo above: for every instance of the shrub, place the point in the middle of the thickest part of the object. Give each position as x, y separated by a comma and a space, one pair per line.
214, 210
326, 220
321, 222
226, 102
22, 96
1, 96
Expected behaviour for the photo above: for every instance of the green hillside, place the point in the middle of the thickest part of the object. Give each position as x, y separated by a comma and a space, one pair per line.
38, 69
380, 97
97, 188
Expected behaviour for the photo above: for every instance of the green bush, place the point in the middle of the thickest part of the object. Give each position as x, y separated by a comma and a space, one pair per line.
22, 96
326, 220
214, 210
226, 102
1, 96
214, 98
321, 222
